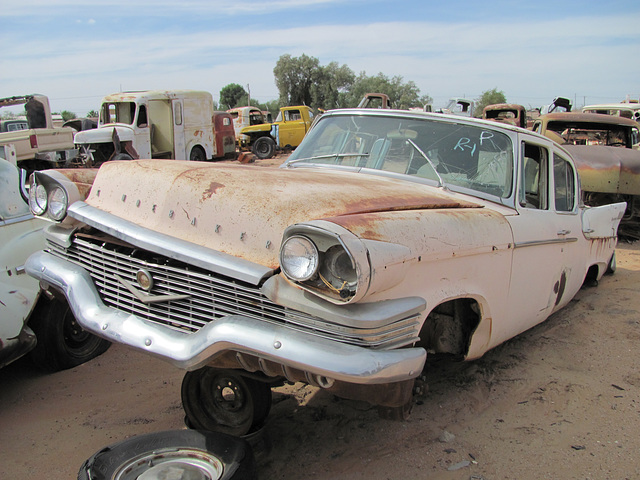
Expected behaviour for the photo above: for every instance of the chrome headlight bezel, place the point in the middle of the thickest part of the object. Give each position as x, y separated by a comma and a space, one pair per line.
50, 194
342, 273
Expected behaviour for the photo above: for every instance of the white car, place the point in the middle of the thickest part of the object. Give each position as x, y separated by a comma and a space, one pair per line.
45, 327
387, 236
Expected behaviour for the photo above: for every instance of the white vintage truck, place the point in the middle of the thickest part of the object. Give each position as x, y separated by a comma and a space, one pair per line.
175, 124
387, 237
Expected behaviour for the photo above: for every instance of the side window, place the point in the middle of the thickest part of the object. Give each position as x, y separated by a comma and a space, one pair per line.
564, 184
534, 177
177, 113
142, 116
292, 115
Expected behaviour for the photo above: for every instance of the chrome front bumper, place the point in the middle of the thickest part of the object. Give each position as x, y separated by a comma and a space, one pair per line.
238, 333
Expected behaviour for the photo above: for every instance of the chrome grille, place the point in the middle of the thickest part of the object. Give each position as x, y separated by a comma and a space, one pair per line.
210, 296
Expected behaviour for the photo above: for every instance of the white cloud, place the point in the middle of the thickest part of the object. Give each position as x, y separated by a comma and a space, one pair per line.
532, 62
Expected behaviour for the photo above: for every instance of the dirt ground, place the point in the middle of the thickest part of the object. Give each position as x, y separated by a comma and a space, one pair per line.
561, 401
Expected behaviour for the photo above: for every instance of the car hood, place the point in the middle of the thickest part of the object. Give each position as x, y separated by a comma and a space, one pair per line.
104, 135
607, 169
243, 210
262, 127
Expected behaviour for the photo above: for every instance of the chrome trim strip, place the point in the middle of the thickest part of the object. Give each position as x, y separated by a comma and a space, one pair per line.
12, 220
535, 243
283, 345
170, 246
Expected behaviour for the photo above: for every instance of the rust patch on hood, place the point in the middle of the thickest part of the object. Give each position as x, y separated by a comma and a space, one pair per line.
243, 211
213, 189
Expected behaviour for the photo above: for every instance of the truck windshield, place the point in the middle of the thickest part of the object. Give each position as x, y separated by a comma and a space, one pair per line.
470, 156
118, 112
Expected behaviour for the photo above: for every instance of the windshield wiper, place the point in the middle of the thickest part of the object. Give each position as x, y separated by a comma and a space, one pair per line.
426, 157
332, 155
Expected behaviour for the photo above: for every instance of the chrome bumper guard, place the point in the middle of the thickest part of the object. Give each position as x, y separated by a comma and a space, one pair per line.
279, 344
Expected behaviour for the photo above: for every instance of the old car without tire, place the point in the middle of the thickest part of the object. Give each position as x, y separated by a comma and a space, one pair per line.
387, 235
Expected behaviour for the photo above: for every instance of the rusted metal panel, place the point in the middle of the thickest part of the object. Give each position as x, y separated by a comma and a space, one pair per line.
192, 202
509, 113
607, 169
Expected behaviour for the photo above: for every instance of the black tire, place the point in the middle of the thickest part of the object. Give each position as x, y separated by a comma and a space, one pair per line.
122, 156
62, 343
264, 147
197, 155
224, 401
203, 454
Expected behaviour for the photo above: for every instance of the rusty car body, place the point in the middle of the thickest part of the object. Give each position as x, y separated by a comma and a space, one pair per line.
387, 236
606, 150
245, 117
509, 113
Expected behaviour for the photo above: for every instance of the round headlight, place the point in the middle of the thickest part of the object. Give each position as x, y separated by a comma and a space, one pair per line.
57, 203
37, 198
299, 258
339, 265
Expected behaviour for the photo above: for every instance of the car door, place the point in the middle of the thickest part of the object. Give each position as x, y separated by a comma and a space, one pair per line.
293, 129
545, 265
20, 236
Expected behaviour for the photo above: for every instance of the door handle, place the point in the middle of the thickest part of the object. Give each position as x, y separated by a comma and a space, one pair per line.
564, 232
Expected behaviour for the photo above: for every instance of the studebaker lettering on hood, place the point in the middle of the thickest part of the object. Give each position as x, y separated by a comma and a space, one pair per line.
386, 236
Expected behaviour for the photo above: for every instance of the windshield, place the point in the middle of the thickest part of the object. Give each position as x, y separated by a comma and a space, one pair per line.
469, 156
117, 112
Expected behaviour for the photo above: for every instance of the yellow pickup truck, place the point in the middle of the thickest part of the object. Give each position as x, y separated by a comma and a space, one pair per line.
290, 127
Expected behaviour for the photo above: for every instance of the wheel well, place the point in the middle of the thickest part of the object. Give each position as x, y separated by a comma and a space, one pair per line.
449, 327
592, 274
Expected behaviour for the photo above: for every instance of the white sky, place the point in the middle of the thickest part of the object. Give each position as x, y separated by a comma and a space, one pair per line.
77, 51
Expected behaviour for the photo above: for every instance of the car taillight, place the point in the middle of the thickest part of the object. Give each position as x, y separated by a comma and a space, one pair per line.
34, 141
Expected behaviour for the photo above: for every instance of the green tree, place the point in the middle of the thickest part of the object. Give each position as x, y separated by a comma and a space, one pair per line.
332, 85
295, 77
488, 97
402, 94
67, 115
93, 114
231, 95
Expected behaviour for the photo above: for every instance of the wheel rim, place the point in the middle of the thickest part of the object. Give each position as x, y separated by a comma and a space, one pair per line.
167, 463
263, 148
218, 401
75, 337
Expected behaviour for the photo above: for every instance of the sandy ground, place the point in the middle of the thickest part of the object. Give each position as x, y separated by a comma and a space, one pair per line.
561, 401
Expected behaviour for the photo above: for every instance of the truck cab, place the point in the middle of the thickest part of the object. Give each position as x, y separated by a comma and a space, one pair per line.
173, 124
290, 127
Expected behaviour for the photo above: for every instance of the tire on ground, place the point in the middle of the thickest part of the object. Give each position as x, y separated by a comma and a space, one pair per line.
192, 453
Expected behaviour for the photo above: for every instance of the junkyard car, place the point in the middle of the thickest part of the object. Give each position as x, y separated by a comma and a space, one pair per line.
606, 150
626, 109
45, 327
386, 236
